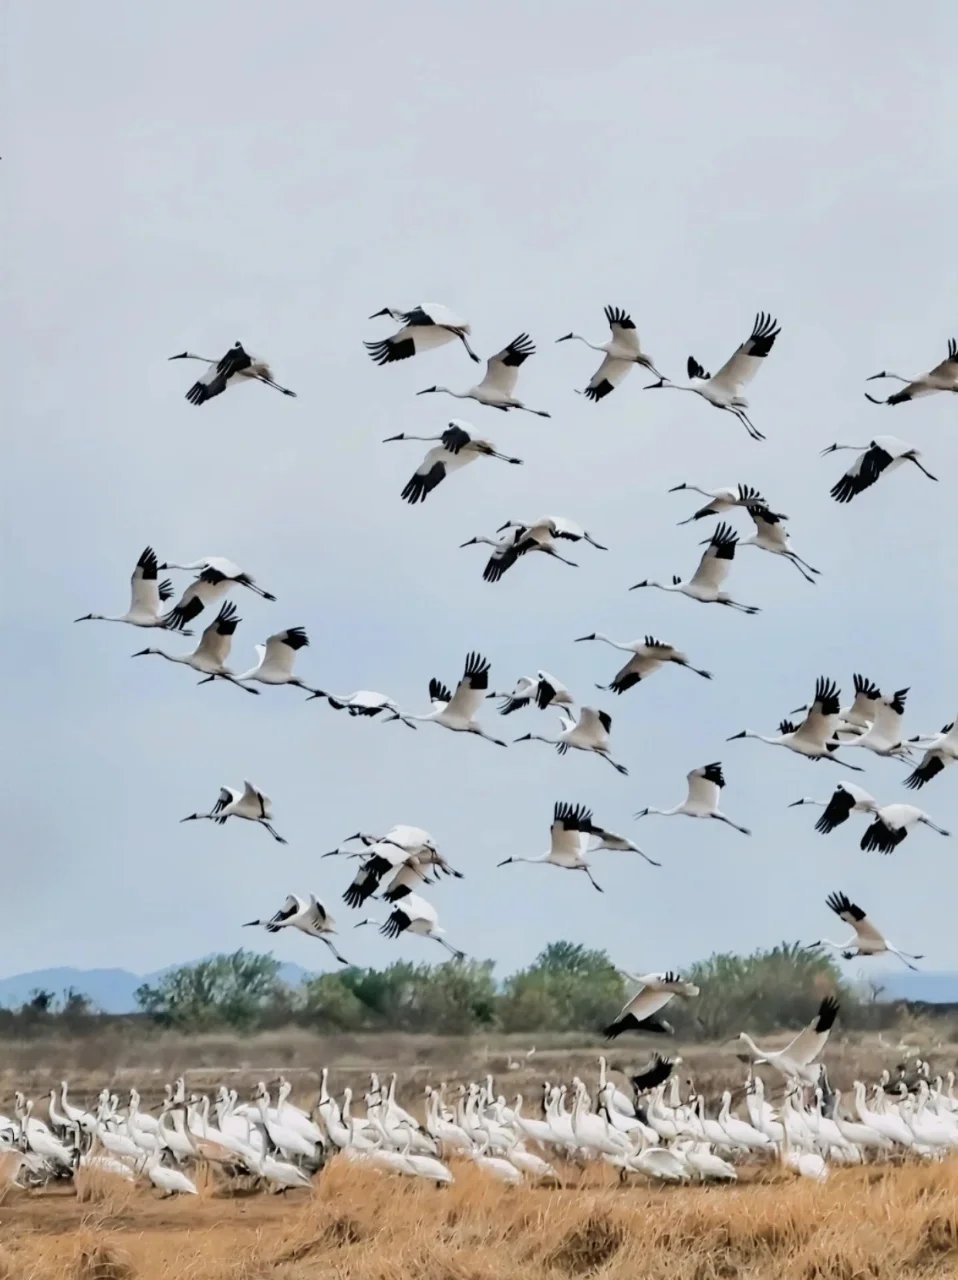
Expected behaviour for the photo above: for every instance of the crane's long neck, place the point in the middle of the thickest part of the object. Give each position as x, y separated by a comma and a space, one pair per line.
616, 644
759, 1053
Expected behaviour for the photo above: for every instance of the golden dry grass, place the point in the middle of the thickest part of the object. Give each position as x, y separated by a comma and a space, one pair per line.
864, 1224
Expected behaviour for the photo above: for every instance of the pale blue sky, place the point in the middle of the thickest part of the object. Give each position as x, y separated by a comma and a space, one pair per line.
186, 175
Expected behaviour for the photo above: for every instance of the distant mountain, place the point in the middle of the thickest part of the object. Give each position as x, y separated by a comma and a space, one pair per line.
111, 990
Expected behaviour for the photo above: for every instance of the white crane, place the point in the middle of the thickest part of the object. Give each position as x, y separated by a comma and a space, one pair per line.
497, 388
218, 568
884, 735
883, 453
544, 690
364, 702
517, 542
867, 940
705, 584
209, 656
705, 786
944, 377
457, 448
648, 656
206, 589
622, 352
795, 1061
378, 860
415, 840
569, 824
276, 658
556, 527
721, 500
640, 1013
600, 839
860, 716
889, 827
940, 752
233, 369
410, 861
846, 799
724, 390
146, 596
170, 1181
815, 736
590, 733
425, 327
250, 804
771, 535
457, 711
306, 914
415, 915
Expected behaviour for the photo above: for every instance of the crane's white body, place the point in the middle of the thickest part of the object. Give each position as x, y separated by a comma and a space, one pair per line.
622, 353
250, 804
704, 791
498, 387
591, 732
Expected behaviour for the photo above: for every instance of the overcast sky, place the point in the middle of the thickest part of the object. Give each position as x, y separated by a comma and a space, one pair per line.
187, 175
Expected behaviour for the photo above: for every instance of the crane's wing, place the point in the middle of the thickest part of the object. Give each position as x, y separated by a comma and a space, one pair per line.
823, 716
713, 568
209, 587
607, 377
281, 650
317, 919
654, 1073
144, 587
502, 369
624, 332
440, 695
809, 1043
226, 797
836, 811
889, 713
645, 1003
431, 472
747, 360
705, 785
471, 689
508, 550
419, 333
218, 636
521, 696
862, 474
569, 823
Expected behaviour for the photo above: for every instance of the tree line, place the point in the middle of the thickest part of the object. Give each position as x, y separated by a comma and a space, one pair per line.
568, 988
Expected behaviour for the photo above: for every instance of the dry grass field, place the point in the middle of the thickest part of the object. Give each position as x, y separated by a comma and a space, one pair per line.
120, 1060
879, 1223
889, 1224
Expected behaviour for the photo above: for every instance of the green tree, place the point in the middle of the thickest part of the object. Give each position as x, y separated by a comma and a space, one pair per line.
760, 992
567, 988
225, 989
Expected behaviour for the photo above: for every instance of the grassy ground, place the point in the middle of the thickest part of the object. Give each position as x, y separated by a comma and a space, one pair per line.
865, 1224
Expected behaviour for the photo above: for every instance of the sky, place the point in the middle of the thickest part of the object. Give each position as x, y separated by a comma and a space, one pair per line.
186, 176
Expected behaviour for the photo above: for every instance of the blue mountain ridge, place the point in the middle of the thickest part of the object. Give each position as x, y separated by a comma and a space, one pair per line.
111, 990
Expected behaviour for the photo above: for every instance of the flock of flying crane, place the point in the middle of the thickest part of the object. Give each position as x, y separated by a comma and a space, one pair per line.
408, 855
